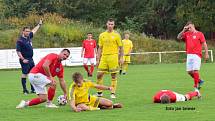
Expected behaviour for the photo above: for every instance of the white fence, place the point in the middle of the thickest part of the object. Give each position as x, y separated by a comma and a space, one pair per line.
166, 52
9, 58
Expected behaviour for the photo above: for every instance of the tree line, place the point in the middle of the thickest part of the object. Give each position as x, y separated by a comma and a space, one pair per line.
159, 18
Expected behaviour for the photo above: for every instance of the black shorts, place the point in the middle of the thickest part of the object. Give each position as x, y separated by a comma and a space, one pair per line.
26, 67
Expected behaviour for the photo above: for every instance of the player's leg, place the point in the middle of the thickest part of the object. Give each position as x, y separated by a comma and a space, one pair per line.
190, 95
85, 65
102, 69
25, 69
113, 69
51, 94
100, 82
125, 64
105, 103
91, 66
113, 84
31, 66
39, 82
192, 67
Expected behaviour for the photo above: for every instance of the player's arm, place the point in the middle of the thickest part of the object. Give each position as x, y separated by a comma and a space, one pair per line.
82, 51
180, 35
121, 54
98, 57
34, 30
18, 49
102, 87
206, 50
72, 101
46, 68
63, 86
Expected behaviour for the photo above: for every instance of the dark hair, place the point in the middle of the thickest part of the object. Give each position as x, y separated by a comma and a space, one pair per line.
76, 76
66, 50
89, 33
111, 20
165, 99
26, 27
189, 22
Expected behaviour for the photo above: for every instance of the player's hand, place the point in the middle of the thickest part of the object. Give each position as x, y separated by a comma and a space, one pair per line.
110, 88
40, 22
77, 110
25, 60
206, 56
65, 96
53, 82
97, 62
121, 61
185, 28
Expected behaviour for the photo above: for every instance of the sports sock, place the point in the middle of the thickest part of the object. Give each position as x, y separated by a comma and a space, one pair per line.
192, 94
86, 67
51, 93
125, 67
34, 101
113, 84
32, 88
196, 79
91, 68
100, 82
24, 84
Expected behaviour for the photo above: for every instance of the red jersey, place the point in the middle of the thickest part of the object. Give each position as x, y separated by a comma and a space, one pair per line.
194, 42
170, 93
56, 68
89, 46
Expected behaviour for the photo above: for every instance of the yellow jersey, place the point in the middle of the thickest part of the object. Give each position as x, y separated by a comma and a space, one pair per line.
81, 94
127, 46
110, 42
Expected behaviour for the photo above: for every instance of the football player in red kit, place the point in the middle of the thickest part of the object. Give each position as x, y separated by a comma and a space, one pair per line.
168, 96
88, 52
42, 76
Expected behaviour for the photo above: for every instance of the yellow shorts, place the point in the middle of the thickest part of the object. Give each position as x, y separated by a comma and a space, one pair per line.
93, 101
127, 59
109, 63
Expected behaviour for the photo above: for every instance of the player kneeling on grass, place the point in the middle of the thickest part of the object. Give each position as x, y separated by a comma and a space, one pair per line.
168, 96
42, 76
81, 100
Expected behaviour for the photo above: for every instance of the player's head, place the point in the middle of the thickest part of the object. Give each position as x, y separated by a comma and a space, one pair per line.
127, 35
165, 99
110, 24
25, 31
89, 35
77, 78
64, 54
190, 26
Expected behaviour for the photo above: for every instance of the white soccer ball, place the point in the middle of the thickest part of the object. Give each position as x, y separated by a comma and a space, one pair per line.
61, 100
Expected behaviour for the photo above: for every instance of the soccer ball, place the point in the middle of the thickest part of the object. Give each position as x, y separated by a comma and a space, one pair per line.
61, 100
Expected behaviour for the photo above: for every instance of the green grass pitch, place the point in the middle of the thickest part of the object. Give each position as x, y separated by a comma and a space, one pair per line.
135, 92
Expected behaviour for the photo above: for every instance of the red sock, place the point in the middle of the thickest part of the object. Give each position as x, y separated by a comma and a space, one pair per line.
51, 93
35, 101
192, 94
196, 79
91, 68
86, 67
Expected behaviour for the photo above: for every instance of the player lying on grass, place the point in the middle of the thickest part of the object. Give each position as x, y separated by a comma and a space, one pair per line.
81, 100
168, 96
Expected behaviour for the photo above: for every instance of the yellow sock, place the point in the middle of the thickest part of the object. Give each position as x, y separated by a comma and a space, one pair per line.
99, 82
125, 67
114, 84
